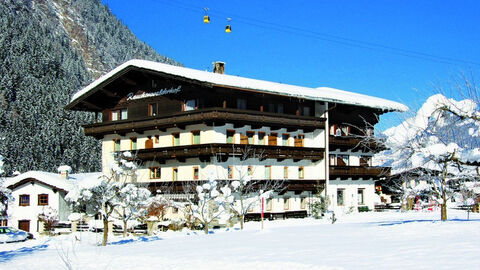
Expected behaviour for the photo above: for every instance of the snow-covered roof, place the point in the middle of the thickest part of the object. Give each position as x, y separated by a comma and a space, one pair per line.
320, 94
52, 179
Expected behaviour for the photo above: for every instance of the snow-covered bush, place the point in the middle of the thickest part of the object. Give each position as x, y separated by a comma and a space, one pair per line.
209, 203
49, 217
442, 140
103, 195
133, 202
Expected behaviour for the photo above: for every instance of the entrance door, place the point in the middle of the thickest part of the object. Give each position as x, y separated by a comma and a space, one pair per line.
24, 225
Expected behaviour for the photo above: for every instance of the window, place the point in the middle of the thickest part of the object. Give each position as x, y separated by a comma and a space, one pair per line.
268, 172
301, 172
196, 137
24, 200
230, 172
333, 160
280, 108
261, 138
360, 196
243, 139
152, 109
114, 115
155, 173
241, 104
298, 142
249, 171
365, 161
285, 138
133, 143
286, 203
306, 111
119, 114
303, 202
149, 143
190, 105
271, 107
272, 139
250, 135
285, 172
176, 139
42, 199
342, 160
230, 136
123, 114
303, 110
340, 200
269, 205
175, 174
196, 173
116, 145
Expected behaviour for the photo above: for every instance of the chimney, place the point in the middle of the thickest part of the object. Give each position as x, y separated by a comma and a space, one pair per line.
219, 67
64, 170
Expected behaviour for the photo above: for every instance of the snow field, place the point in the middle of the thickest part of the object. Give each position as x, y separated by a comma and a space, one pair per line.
390, 240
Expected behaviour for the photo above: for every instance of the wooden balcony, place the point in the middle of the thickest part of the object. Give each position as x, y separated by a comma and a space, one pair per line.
354, 143
356, 172
284, 185
210, 117
223, 151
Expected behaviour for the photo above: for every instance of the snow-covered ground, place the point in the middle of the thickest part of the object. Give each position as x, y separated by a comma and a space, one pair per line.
390, 240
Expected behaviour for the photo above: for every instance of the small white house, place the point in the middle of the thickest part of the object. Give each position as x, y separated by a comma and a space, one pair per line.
35, 190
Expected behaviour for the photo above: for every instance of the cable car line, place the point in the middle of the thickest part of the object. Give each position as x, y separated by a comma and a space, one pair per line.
326, 37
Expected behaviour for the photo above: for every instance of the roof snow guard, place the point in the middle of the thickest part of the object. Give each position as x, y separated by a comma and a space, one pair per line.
229, 81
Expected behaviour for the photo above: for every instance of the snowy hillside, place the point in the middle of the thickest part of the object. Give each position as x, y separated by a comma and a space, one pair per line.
49, 49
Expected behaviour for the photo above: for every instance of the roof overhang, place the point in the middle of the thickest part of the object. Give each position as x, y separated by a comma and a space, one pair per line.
82, 100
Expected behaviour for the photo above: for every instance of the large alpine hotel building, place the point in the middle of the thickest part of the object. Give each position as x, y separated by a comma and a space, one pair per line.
185, 124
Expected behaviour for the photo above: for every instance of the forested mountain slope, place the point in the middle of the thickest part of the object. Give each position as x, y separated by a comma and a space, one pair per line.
49, 49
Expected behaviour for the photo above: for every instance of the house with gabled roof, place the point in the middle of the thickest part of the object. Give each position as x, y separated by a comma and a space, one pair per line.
34, 190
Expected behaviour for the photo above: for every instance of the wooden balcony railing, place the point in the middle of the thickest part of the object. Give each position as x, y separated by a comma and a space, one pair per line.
354, 143
358, 171
284, 185
224, 150
210, 117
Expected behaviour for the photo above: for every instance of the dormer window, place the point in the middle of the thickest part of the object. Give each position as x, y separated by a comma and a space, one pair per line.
152, 109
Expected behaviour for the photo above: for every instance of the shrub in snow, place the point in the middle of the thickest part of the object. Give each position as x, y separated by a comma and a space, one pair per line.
49, 217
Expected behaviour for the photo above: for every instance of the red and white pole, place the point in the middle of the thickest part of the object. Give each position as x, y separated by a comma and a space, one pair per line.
263, 202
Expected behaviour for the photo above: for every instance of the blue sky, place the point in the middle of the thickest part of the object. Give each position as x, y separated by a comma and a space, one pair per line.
397, 50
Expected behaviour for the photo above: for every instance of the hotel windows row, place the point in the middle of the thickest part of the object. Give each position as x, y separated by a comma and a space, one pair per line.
344, 160
272, 138
155, 172
341, 196
24, 200
343, 130
286, 203
268, 172
248, 138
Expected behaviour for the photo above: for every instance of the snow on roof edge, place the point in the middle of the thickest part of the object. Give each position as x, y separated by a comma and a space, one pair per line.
320, 94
